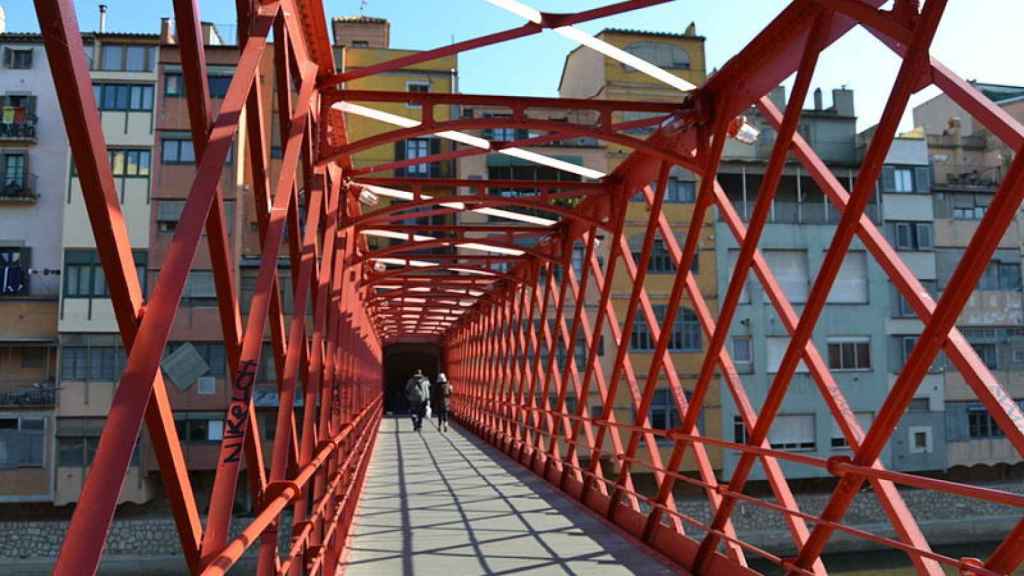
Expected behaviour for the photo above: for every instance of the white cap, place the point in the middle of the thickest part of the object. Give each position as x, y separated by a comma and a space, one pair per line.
441, 376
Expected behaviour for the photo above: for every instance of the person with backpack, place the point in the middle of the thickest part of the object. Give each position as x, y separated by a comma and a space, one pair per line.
441, 393
417, 392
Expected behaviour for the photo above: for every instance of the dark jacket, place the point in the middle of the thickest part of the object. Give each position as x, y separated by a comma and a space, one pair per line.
440, 393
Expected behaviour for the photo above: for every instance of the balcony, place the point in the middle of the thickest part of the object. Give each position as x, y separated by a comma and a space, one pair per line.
18, 127
27, 394
19, 189
802, 212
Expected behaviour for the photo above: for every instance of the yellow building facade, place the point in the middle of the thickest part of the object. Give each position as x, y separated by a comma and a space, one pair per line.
589, 74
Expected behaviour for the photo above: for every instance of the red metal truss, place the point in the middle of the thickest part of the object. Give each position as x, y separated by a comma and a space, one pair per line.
519, 290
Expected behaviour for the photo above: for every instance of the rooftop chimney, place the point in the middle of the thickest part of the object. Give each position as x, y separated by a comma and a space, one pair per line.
167, 31
103, 18
817, 99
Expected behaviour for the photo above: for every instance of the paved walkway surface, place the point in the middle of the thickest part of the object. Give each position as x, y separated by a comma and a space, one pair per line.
450, 504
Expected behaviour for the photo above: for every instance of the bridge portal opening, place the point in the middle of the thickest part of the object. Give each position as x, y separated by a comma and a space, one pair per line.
400, 362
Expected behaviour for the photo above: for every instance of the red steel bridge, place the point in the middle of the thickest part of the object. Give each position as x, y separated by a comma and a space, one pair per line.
492, 332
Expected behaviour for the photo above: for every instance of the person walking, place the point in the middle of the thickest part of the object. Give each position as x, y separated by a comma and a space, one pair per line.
441, 393
417, 392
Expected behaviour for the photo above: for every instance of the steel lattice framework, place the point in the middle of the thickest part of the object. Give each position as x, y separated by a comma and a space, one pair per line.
496, 322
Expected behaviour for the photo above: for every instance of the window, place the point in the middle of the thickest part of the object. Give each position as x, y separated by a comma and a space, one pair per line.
852, 354
92, 363
14, 172
903, 179
120, 97
663, 414
168, 212
199, 428
218, 85
838, 440
502, 134
174, 84
685, 336
851, 284
416, 86
660, 54
739, 430
790, 269
130, 163
360, 44
792, 432
199, 290
980, 424
660, 261
680, 192
920, 439
906, 346
988, 352
913, 235
1003, 276
177, 151
742, 350
22, 442
906, 179
129, 58
18, 58
417, 148
775, 348
84, 278
14, 262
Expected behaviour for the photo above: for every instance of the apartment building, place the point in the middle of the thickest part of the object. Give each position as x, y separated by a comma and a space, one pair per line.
968, 164
124, 73
362, 41
33, 181
908, 222
795, 241
584, 152
589, 74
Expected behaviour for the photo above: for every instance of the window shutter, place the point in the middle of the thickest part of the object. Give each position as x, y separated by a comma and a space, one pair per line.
851, 285
924, 236
790, 269
922, 179
169, 210
888, 179
8, 58
400, 155
435, 148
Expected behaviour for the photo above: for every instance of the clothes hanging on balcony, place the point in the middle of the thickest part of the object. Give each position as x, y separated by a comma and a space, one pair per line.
12, 279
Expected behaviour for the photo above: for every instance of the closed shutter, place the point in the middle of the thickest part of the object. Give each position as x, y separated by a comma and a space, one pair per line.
922, 179
733, 256
169, 210
790, 270
436, 168
851, 284
792, 430
888, 179
775, 349
400, 155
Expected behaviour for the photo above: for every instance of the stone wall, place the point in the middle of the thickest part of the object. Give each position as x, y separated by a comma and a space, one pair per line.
129, 537
944, 519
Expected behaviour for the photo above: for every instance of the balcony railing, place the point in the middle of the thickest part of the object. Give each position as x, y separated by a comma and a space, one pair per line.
19, 128
18, 189
803, 212
27, 394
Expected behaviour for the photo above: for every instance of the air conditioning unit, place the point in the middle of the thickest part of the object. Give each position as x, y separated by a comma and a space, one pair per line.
207, 385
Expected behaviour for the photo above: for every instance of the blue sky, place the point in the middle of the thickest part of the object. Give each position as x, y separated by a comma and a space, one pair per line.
976, 39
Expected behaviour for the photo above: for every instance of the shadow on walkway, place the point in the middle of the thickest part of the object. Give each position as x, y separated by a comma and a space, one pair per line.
450, 504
